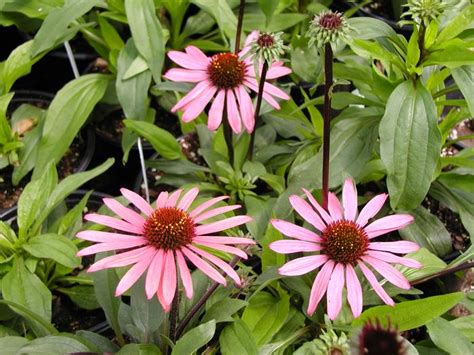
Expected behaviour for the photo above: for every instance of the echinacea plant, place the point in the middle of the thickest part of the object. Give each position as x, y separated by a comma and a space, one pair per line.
161, 239
226, 77
344, 242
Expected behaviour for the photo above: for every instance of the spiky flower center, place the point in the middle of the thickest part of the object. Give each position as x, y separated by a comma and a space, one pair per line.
377, 339
265, 40
344, 241
331, 20
226, 71
169, 228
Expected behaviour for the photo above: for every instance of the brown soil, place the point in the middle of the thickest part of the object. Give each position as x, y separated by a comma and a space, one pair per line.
67, 317
10, 194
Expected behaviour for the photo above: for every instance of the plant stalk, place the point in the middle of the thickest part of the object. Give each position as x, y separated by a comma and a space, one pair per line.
463, 266
328, 81
263, 76
174, 317
239, 26
197, 306
228, 134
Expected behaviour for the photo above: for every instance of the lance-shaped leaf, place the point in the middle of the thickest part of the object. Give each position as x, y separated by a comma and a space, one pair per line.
410, 143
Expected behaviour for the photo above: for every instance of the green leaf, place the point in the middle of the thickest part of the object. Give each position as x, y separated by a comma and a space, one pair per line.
410, 143
68, 185
352, 141
140, 349
163, 141
81, 295
448, 338
102, 343
279, 22
66, 115
12, 344
26, 289
268, 7
457, 25
413, 52
260, 210
431, 265
452, 56
265, 315
195, 338
222, 13
464, 78
34, 198
5, 129
18, 64
147, 315
237, 338
53, 246
57, 22
428, 232
54, 344
132, 93
105, 282
31, 8
371, 28
222, 310
110, 34
411, 314
374, 50
147, 33
465, 325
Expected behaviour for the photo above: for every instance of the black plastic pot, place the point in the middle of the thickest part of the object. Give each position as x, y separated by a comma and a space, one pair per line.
43, 99
95, 202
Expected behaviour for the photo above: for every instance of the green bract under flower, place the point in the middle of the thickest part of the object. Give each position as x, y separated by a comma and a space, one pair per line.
268, 47
424, 10
329, 343
327, 27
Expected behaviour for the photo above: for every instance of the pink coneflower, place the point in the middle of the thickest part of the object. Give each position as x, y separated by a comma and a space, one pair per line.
344, 242
226, 78
162, 240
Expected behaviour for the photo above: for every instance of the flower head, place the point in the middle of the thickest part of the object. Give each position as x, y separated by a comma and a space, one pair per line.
344, 243
327, 27
329, 343
375, 338
161, 240
267, 47
224, 78
424, 10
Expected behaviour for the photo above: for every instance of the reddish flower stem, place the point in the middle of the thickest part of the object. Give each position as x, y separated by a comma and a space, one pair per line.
263, 76
228, 134
197, 306
239, 26
174, 316
454, 269
328, 58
